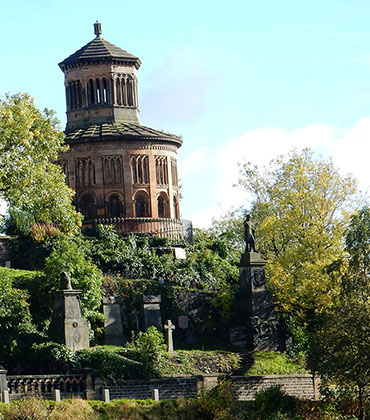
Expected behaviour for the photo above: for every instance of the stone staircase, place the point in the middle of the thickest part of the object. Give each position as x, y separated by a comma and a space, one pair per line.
246, 362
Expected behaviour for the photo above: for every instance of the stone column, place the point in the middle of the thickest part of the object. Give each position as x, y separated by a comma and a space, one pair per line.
3, 381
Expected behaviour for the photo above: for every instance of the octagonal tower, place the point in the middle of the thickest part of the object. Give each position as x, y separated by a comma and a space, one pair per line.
123, 173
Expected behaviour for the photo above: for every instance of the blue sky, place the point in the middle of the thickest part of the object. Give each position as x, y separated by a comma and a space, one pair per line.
237, 79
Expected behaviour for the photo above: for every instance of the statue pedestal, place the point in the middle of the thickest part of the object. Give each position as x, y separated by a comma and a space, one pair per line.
67, 325
254, 309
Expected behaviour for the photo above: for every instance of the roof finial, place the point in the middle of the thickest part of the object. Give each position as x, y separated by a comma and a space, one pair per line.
97, 29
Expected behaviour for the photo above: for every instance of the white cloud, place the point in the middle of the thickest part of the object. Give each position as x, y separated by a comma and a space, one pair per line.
218, 171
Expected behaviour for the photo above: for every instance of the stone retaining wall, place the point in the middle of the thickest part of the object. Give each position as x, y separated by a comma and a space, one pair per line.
169, 388
245, 387
304, 387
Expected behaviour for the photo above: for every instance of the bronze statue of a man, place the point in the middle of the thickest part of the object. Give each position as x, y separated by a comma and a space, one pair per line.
249, 235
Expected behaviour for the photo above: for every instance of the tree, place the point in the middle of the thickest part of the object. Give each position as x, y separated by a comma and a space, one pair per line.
299, 210
33, 186
15, 317
70, 254
341, 347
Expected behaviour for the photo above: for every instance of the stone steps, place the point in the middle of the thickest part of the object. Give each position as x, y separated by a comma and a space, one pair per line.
246, 362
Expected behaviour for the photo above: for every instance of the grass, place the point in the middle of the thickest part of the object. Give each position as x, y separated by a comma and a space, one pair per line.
275, 364
195, 362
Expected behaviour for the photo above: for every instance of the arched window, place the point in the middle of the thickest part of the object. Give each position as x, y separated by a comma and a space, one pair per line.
176, 207
124, 91
130, 101
98, 92
90, 92
104, 91
140, 169
115, 207
87, 207
142, 205
118, 92
162, 202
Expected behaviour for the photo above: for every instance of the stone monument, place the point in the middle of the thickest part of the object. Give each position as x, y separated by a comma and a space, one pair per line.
151, 312
169, 327
255, 318
113, 331
67, 325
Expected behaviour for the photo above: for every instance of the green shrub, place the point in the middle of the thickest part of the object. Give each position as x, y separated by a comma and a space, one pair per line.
216, 403
274, 402
50, 352
107, 364
148, 348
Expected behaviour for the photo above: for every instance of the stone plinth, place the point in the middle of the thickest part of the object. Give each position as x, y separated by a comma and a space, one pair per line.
255, 316
68, 326
113, 331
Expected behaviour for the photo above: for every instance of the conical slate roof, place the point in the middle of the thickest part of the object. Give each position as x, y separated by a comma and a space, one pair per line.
119, 131
100, 50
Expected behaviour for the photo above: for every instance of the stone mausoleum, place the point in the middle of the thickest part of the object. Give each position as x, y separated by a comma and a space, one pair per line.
123, 172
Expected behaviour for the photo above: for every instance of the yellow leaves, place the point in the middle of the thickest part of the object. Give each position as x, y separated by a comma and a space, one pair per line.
39, 231
33, 186
298, 212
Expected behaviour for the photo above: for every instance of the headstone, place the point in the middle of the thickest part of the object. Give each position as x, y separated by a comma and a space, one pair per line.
169, 327
151, 311
255, 318
183, 322
7, 264
113, 331
179, 253
68, 326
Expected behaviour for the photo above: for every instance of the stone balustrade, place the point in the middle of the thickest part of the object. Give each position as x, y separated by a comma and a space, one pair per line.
160, 227
70, 386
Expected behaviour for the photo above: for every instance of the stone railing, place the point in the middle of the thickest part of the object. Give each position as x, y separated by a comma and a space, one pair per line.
13, 387
161, 227
70, 386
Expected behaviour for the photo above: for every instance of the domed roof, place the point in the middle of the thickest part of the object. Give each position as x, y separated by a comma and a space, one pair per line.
100, 50
119, 131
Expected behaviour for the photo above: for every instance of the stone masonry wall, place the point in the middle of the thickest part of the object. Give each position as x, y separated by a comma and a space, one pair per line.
301, 386
169, 388
304, 387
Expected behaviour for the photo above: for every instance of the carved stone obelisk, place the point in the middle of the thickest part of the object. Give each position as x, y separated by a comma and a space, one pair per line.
67, 325
254, 309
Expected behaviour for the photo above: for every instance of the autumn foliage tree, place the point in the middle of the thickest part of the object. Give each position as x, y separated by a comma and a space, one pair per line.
300, 212
32, 185
340, 350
